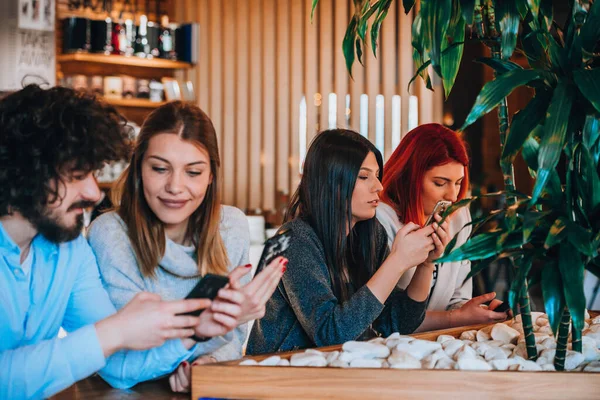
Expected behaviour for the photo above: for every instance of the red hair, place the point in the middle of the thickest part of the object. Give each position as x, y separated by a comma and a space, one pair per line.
425, 147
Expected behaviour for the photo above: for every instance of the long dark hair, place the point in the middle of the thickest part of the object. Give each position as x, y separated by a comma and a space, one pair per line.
324, 200
145, 230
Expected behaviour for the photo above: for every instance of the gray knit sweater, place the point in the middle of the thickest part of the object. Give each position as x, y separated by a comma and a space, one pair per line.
304, 312
176, 274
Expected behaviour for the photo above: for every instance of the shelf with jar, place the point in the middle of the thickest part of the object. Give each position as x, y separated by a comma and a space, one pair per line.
128, 52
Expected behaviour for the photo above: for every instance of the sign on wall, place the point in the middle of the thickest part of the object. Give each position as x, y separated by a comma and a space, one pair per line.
36, 14
35, 57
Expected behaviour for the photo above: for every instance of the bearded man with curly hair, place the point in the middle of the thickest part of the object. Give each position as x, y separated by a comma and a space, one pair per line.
51, 142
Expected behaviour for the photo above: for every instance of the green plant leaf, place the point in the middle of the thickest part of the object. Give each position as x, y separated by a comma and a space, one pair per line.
476, 268
591, 136
522, 7
581, 239
530, 152
572, 269
451, 57
558, 55
508, 17
376, 27
557, 232
555, 133
554, 298
467, 7
348, 44
498, 65
363, 23
435, 15
312, 10
408, 5
493, 92
590, 31
547, 12
534, 7
523, 268
478, 247
524, 121
359, 52
588, 82
531, 221
588, 181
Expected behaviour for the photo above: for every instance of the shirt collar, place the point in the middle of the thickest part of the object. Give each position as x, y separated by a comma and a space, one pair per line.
9, 248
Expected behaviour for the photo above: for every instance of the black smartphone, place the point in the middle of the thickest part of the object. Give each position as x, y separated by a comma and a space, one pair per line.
207, 288
274, 247
504, 307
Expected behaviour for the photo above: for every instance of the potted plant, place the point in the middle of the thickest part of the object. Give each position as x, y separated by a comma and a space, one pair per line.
558, 133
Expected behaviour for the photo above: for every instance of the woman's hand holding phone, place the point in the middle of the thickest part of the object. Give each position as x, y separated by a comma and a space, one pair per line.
222, 316
441, 238
412, 245
259, 290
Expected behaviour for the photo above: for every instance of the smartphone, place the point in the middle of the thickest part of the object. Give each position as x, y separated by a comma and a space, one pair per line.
207, 288
439, 208
274, 247
504, 307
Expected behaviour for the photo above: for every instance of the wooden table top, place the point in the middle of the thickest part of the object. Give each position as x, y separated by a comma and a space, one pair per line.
95, 388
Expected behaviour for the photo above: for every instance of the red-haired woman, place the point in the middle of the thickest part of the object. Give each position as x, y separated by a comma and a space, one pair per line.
431, 164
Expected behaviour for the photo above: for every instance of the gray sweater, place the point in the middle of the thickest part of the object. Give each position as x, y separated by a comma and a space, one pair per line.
177, 272
304, 312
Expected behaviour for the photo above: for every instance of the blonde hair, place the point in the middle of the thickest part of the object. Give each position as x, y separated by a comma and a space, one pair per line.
145, 230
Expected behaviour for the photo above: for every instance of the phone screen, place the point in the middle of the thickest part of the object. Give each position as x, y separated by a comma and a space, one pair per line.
274, 247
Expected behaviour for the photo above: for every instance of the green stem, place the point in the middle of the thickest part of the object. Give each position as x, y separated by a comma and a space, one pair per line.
478, 23
508, 171
525, 310
576, 339
561, 341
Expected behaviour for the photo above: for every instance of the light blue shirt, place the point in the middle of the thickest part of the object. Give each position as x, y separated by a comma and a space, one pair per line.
63, 288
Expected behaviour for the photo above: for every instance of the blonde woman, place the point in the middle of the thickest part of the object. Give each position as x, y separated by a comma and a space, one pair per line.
169, 229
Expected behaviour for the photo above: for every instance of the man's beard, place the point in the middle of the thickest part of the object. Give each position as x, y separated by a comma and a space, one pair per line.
50, 226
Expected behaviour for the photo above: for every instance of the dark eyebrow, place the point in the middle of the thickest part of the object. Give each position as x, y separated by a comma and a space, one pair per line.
446, 179
167, 161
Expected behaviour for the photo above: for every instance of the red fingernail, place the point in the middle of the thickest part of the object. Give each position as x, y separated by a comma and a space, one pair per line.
285, 263
185, 363
248, 265
283, 269
194, 363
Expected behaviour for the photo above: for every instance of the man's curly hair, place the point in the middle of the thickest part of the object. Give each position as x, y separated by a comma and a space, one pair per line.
47, 133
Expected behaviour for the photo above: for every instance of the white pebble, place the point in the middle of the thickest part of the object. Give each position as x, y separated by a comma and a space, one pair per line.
504, 333
270, 362
403, 360
307, 360
444, 338
483, 336
365, 363
283, 363
573, 360
452, 346
249, 362
472, 364
469, 335
368, 350
594, 366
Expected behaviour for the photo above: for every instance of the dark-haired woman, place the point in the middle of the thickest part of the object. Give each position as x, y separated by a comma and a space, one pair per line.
169, 229
341, 279
431, 164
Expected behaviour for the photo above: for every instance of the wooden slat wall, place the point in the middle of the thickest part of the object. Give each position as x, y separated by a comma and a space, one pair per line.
259, 58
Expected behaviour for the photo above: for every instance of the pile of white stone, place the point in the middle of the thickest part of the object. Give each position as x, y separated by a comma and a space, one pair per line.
499, 347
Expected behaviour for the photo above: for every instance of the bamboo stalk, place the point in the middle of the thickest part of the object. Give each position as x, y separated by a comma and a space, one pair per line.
508, 173
561, 341
576, 341
525, 309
